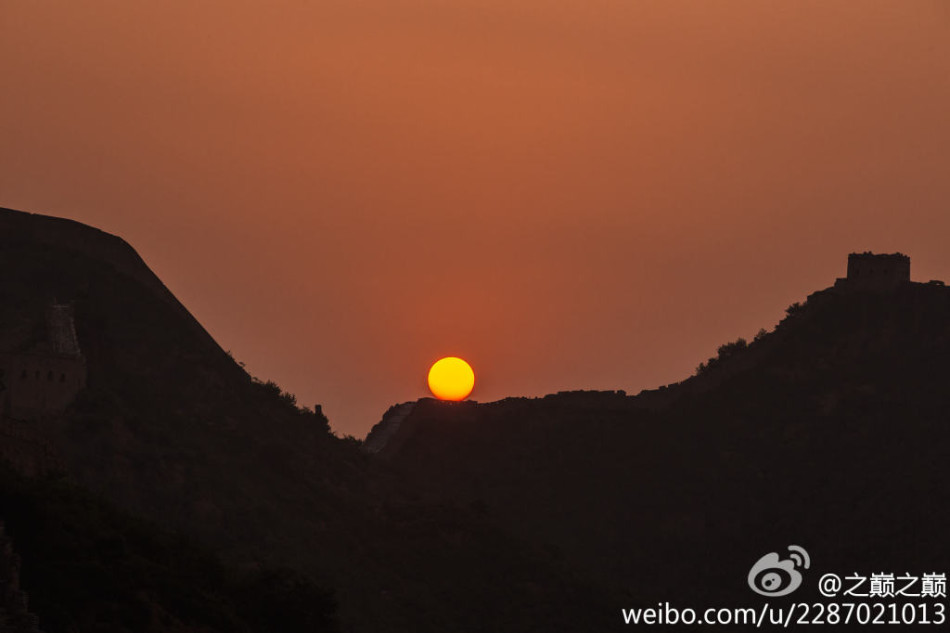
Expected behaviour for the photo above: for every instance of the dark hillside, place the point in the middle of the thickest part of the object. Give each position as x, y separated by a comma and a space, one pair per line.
170, 428
830, 432
90, 567
165, 408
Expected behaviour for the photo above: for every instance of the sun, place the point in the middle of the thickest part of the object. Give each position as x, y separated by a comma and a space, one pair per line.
451, 378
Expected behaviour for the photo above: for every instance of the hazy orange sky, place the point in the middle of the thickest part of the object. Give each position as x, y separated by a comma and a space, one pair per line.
586, 194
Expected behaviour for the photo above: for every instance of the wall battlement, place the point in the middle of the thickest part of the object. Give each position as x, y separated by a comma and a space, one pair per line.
873, 271
44, 379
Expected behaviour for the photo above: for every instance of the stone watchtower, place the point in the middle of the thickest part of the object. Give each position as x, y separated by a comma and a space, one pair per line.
42, 379
875, 271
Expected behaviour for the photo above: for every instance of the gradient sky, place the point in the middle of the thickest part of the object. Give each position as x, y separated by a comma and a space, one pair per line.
583, 194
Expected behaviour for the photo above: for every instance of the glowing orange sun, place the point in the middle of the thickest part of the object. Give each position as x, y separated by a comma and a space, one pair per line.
451, 378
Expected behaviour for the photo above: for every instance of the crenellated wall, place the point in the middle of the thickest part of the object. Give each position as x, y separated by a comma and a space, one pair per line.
883, 269
873, 271
45, 378
36, 384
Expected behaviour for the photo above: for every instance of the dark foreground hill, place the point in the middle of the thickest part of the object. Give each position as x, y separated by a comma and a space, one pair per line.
90, 567
172, 430
831, 433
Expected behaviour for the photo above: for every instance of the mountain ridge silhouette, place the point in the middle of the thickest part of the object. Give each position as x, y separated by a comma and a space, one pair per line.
170, 429
546, 514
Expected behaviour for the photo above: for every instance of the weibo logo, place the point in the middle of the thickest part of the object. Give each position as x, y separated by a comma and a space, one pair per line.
774, 577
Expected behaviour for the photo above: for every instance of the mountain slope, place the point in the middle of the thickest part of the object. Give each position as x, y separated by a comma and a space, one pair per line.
91, 567
830, 432
171, 429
